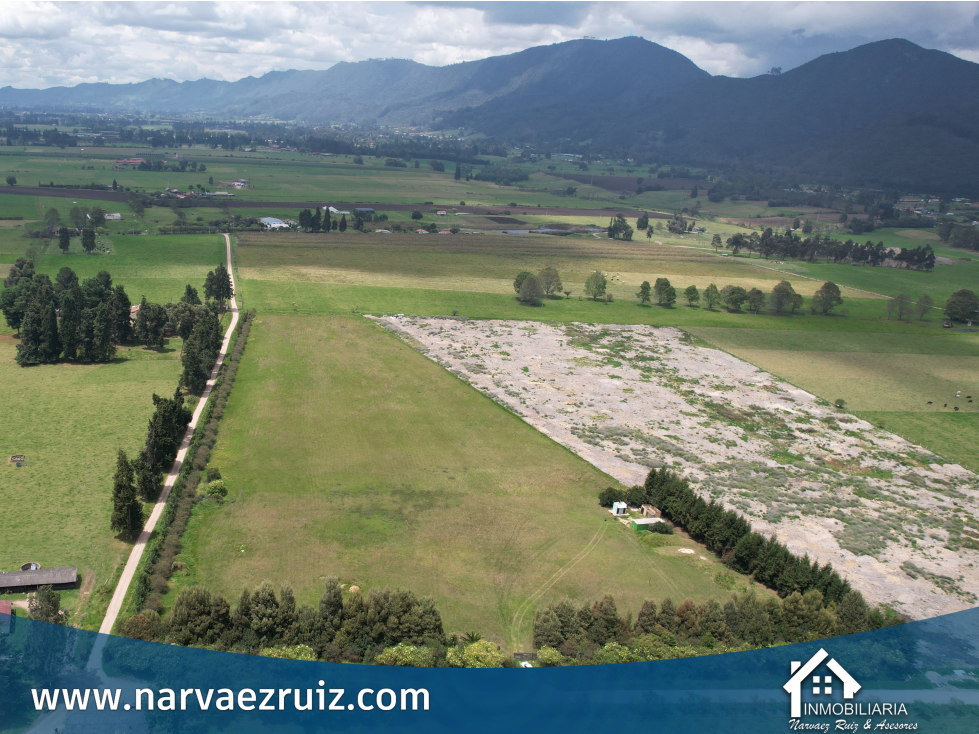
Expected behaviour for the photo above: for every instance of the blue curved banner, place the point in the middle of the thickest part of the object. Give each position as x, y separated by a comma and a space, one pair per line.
922, 676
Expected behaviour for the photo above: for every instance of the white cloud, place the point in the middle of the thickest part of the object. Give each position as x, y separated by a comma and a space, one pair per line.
63, 43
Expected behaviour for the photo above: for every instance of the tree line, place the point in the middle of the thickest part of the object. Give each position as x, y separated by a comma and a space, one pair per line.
730, 536
151, 582
785, 245
564, 635
350, 629
138, 480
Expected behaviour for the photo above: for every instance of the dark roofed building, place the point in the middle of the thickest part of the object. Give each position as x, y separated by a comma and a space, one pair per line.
19, 582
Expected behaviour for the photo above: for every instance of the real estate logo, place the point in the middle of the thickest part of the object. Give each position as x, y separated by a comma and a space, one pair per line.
825, 680
821, 685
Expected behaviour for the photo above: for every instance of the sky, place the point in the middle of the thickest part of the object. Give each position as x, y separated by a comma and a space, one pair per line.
45, 44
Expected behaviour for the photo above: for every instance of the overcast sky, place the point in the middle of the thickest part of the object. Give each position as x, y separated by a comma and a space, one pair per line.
45, 44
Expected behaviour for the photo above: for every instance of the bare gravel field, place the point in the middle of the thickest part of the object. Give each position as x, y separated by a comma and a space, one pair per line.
893, 518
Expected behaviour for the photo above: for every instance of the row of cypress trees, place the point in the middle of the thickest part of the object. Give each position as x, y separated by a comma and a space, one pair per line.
729, 535
138, 480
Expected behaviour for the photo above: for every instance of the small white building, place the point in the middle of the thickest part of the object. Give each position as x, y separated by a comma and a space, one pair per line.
273, 223
619, 508
117, 217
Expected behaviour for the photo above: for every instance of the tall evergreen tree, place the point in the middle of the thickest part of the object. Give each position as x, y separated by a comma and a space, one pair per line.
331, 608
547, 629
315, 221
327, 222
147, 479
86, 334
121, 319
64, 239
88, 240
103, 348
50, 343
127, 510
458, 173
31, 332
667, 616
190, 296
343, 222
646, 621
71, 319
852, 615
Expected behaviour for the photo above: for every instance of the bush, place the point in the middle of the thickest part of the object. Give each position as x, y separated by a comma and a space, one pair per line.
295, 652
406, 655
217, 488
661, 528
482, 654
548, 657
609, 495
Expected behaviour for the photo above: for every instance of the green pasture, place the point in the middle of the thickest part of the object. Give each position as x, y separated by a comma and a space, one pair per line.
70, 420
158, 267
878, 365
348, 453
903, 382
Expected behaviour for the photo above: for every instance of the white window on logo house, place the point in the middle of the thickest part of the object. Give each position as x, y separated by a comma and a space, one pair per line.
822, 683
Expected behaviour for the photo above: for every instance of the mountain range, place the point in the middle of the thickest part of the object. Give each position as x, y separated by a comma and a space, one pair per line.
888, 113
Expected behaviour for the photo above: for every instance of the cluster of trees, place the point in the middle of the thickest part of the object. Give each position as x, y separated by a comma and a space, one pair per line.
532, 289
174, 167
729, 535
44, 605
594, 634
785, 245
664, 293
963, 305
677, 225
65, 319
200, 328
314, 222
81, 219
351, 629
905, 308
964, 235
619, 229
138, 480
501, 175
54, 137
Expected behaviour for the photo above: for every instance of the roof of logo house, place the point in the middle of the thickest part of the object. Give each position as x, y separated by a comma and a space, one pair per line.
800, 672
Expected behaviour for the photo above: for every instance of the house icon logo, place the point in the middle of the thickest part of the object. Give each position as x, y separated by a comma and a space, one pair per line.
822, 685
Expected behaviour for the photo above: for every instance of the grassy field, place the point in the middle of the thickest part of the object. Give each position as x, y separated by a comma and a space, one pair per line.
70, 420
886, 370
348, 453
158, 267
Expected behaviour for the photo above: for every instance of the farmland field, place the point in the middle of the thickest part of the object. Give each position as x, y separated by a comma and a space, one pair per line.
347, 453
70, 419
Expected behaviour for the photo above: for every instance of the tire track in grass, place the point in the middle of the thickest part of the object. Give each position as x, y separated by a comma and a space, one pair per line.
522, 610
